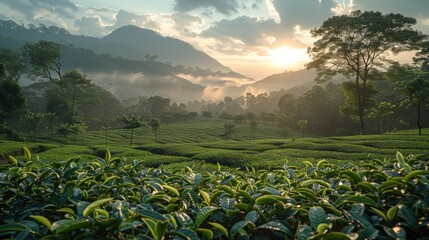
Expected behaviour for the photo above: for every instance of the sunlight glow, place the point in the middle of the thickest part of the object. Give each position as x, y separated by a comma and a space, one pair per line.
285, 56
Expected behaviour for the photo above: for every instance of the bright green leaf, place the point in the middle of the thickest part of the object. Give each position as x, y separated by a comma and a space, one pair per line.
219, 227
401, 161
203, 214
27, 154
42, 220
336, 236
90, 208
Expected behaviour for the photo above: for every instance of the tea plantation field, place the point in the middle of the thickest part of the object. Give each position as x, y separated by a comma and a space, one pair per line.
192, 184
184, 143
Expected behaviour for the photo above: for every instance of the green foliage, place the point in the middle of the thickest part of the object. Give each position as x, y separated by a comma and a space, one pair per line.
253, 126
73, 130
73, 86
417, 91
13, 65
44, 58
352, 106
12, 101
382, 111
131, 122
206, 114
33, 123
155, 124
229, 130
113, 198
2, 71
303, 124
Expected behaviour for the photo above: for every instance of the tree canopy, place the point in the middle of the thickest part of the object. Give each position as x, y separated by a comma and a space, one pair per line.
357, 45
44, 58
12, 101
13, 62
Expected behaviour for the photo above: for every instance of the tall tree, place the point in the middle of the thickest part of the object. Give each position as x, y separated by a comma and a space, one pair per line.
58, 105
12, 100
73, 84
33, 123
288, 108
380, 112
413, 81
154, 106
356, 45
303, 124
417, 92
14, 65
131, 122
351, 104
253, 127
317, 106
155, 124
44, 58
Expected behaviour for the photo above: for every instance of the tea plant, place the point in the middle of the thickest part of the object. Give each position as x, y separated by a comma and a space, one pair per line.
113, 198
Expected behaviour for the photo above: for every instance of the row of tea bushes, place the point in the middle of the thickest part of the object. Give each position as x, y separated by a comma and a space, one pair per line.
113, 198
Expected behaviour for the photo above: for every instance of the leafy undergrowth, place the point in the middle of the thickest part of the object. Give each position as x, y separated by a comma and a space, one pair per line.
13, 148
117, 199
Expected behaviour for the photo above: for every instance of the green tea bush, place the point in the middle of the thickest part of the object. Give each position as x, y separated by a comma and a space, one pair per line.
176, 150
226, 158
115, 198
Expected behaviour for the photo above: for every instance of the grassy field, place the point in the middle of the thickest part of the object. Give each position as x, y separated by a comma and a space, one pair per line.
200, 141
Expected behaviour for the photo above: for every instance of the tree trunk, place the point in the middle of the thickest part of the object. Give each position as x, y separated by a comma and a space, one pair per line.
378, 127
360, 98
73, 101
418, 118
363, 106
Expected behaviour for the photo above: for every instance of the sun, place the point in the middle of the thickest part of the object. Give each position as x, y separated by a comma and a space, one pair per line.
286, 56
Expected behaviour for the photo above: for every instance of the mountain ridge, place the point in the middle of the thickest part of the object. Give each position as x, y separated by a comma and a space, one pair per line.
175, 49
113, 44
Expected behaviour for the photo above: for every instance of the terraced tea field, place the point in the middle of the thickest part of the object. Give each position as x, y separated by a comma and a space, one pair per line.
185, 143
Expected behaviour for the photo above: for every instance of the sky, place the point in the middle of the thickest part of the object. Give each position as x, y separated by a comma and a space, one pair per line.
256, 38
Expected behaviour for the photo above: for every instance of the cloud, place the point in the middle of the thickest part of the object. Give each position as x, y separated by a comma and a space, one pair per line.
107, 15
215, 81
273, 11
124, 18
306, 13
91, 26
249, 30
250, 35
48, 11
226, 7
415, 8
185, 23
343, 7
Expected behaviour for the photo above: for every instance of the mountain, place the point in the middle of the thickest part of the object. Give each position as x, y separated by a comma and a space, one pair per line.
301, 80
167, 49
285, 80
130, 42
